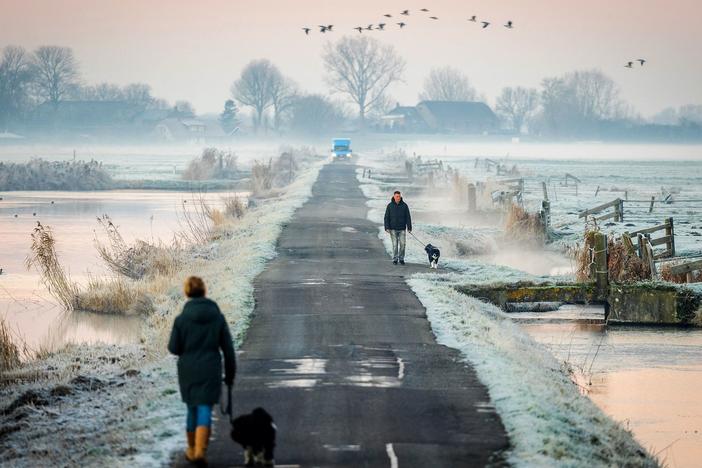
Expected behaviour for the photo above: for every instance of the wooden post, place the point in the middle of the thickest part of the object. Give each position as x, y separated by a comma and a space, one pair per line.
546, 216
543, 187
620, 210
669, 232
597, 191
650, 208
471, 198
639, 245
649, 255
601, 272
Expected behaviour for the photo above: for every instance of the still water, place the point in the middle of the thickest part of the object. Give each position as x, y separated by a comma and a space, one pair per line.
34, 317
649, 378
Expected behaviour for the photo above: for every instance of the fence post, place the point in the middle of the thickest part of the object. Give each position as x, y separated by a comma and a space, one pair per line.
619, 210
471, 198
669, 231
650, 208
601, 271
546, 217
543, 187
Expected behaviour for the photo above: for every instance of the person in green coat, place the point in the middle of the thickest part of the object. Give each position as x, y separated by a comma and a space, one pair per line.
199, 338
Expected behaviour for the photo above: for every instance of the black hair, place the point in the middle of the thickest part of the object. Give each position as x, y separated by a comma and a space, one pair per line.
397, 192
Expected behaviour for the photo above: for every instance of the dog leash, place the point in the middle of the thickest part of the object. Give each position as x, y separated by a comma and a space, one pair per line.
415, 238
228, 411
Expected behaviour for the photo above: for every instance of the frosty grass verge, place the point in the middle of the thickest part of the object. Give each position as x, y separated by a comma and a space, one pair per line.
548, 421
135, 418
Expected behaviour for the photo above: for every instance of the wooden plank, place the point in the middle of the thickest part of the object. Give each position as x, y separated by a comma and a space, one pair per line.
608, 215
649, 230
686, 267
598, 208
660, 240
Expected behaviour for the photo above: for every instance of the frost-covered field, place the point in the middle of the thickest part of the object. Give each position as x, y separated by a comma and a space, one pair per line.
548, 420
119, 405
136, 162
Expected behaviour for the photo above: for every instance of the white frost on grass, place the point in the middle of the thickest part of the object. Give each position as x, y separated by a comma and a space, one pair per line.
548, 421
134, 416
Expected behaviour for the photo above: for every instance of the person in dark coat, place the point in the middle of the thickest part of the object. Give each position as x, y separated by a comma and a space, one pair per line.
199, 338
397, 220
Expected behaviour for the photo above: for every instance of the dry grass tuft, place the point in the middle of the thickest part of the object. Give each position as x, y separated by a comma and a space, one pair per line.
136, 261
261, 177
197, 220
523, 226
9, 351
234, 206
114, 296
212, 164
623, 265
667, 275
43, 257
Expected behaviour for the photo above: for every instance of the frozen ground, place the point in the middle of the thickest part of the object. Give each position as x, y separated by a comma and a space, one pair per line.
119, 405
549, 421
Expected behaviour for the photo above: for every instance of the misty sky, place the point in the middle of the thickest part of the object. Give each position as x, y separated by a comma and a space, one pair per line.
194, 49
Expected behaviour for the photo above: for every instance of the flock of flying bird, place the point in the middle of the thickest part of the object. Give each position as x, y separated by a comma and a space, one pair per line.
324, 28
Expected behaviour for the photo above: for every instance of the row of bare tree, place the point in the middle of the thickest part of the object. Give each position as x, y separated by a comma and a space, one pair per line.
52, 74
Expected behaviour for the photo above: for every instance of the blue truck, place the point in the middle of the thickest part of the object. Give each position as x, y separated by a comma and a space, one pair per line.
341, 148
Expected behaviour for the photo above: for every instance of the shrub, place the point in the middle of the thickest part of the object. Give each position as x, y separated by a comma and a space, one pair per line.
212, 164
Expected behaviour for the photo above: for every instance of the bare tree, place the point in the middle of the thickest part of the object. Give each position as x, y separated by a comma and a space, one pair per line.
253, 88
315, 113
282, 93
139, 93
447, 84
99, 92
362, 69
516, 105
596, 95
56, 72
15, 78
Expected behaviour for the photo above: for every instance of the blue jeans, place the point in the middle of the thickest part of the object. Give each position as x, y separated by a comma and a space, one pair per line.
399, 239
200, 415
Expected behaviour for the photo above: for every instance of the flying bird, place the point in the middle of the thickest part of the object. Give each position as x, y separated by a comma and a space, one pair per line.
433, 17
359, 29
641, 61
629, 64
322, 29
387, 15
329, 27
485, 24
369, 27
307, 31
401, 25
424, 10
508, 25
473, 19
381, 26
405, 12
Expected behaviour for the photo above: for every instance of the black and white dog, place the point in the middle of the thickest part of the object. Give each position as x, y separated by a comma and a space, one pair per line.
433, 253
256, 433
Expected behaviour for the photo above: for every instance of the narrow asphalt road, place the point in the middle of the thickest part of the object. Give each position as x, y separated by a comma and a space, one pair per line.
341, 353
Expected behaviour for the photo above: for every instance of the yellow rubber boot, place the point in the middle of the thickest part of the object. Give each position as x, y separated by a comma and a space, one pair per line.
202, 438
190, 451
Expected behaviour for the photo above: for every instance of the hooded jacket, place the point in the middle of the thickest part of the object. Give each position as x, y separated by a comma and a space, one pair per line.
198, 335
397, 216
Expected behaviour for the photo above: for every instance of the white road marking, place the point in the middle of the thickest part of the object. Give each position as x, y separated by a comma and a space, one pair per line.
401, 368
392, 456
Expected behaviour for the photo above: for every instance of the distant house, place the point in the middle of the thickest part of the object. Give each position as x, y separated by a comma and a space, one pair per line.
405, 119
191, 130
442, 117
